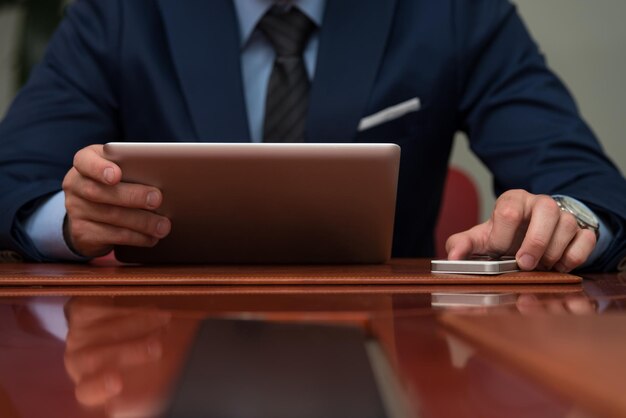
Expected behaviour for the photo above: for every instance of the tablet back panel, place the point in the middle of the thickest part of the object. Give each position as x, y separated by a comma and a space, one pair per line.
266, 203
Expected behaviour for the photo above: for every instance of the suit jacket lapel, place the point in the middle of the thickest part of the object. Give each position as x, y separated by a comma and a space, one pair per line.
205, 46
352, 42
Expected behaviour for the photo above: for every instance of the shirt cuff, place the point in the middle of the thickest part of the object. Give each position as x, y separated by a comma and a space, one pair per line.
50, 312
45, 229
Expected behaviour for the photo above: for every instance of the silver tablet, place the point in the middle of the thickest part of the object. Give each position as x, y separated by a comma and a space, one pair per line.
266, 203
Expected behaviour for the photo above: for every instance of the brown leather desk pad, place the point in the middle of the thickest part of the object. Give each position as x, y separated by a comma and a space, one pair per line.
396, 272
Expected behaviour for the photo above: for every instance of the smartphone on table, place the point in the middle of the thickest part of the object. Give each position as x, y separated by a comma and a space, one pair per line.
475, 265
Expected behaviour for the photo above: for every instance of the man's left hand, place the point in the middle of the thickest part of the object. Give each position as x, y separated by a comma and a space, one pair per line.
531, 227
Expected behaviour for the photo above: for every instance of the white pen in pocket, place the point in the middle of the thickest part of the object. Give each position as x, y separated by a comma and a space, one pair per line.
390, 113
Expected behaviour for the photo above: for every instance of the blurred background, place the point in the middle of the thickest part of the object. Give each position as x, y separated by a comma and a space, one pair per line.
584, 42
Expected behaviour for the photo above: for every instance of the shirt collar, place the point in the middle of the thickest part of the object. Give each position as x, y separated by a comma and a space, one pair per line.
249, 12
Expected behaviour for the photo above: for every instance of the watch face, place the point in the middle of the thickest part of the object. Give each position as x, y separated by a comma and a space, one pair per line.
581, 212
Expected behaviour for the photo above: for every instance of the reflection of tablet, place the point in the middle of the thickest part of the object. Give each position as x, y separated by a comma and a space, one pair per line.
266, 203
263, 369
482, 265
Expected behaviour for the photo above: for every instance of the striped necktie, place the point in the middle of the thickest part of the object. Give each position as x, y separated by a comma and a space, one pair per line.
286, 105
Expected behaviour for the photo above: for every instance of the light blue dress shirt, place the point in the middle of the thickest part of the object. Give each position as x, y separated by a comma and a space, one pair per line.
45, 225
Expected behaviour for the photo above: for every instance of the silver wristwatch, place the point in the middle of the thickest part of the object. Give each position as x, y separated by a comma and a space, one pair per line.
584, 216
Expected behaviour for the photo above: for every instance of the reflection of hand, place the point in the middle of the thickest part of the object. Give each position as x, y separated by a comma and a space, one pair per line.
529, 304
103, 211
103, 340
531, 227
577, 305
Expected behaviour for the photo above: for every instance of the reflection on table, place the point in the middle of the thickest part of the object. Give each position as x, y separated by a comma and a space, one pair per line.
122, 355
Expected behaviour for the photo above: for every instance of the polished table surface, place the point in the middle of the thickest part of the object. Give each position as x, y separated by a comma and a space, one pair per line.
514, 350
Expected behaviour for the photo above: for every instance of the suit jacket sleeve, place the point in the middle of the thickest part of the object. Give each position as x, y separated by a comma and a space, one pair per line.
524, 125
69, 102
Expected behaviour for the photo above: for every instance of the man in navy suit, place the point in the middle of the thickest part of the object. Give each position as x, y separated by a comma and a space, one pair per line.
198, 71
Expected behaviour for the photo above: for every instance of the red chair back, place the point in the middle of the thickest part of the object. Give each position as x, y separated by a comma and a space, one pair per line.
460, 208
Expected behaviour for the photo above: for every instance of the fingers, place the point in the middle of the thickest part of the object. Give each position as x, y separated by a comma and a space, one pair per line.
533, 228
99, 389
580, 305
104, 340
87, 312
544, 217
82, 313
102, 211
94, 228
577, 251
554, 240
529, 304
565, 231
90, 163
118, 328
140, 221
510, 215
94, 370
123, 194
89, 360
462, 245
497, 237
93, 239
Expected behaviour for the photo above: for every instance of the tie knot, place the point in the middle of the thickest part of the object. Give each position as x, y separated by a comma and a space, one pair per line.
287, 30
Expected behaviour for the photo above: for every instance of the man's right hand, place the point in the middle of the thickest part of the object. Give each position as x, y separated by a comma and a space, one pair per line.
102, 211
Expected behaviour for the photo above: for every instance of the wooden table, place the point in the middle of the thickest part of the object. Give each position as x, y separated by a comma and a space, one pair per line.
430, 361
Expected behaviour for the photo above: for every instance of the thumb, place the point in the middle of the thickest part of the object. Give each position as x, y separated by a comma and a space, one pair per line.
92, 162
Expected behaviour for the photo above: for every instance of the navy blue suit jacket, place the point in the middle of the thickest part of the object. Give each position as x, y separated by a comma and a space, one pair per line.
169, 70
